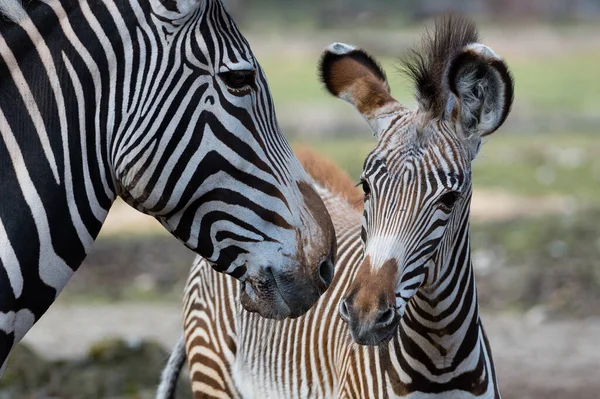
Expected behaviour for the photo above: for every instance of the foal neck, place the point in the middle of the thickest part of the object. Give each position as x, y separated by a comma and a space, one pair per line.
441, 331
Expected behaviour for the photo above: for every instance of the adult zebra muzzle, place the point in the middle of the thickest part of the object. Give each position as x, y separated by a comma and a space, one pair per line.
279, 295
286, 278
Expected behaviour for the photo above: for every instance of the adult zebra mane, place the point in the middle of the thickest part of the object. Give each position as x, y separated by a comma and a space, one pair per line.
12, 10
329, 175
427, 65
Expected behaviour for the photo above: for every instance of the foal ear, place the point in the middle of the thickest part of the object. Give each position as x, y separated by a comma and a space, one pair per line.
354, 76
483, 87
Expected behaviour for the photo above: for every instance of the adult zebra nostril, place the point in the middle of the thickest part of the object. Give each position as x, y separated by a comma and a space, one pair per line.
385, 318
326, 272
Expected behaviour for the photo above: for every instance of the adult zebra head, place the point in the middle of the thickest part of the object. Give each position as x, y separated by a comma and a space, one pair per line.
163, 103
417, 180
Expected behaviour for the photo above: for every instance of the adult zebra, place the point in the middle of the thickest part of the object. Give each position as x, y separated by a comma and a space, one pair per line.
163, 103
404, 281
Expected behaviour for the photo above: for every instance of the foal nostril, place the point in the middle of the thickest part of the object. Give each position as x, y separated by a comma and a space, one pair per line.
385, 318
326, 272
344, 311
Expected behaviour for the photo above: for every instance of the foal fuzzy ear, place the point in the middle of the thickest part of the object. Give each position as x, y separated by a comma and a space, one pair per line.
483, 87
354, 76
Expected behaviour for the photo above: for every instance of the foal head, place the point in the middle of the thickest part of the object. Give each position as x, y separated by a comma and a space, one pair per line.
417, 180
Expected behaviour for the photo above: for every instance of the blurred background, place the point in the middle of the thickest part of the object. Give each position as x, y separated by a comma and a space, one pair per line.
535, 219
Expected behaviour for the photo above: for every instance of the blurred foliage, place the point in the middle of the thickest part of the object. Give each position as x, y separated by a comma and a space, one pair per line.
136, 267
566, 165
113, 369
551, 262
557, 83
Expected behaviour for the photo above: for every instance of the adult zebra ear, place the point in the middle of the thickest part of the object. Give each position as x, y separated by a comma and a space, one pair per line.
483, 90
354, 76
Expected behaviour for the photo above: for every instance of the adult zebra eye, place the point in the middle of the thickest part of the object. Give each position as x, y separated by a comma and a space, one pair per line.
237, 80
449, 199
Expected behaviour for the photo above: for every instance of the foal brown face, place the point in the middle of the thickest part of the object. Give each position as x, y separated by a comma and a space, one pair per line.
417, 180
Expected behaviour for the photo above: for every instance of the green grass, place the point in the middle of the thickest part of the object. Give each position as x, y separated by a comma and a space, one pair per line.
565, 165
552, 261
560, 84
536, 165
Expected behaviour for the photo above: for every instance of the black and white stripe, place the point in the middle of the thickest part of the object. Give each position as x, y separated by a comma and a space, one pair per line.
160, 102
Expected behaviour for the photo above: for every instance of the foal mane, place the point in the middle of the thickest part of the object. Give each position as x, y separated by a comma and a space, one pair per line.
327, 174
427, 64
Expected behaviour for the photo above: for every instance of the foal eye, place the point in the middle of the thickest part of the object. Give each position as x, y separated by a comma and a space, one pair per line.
449, 199
237, 80
366, 188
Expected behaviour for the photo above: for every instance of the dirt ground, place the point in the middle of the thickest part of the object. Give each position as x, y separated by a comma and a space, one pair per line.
534, 359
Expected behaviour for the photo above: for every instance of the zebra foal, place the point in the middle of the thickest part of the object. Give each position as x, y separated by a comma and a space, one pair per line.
404, 284
160, 102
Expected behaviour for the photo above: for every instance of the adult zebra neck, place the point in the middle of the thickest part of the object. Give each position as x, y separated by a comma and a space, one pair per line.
54, 152
59, 108
441, 326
